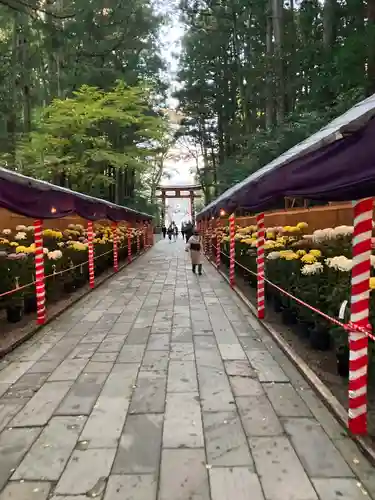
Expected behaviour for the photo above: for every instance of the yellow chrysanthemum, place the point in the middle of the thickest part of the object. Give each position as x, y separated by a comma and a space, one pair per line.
308, 259
291, 256
301, 253
372, 283
302, 225
315, 252
13, 244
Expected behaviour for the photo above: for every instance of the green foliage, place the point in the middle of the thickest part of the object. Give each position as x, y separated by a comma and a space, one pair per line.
63, 115
73, 142
254, 83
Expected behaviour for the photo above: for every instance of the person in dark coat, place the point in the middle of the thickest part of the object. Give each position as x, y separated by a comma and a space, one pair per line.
183, 230
188, 231
170, 232
164, 231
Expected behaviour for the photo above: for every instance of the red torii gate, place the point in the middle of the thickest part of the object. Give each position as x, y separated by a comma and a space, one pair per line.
188, 191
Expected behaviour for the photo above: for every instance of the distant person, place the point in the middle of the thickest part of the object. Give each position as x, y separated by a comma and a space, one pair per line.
183, 230
175, 233
164, 231
189, 231
170, 232
195, 246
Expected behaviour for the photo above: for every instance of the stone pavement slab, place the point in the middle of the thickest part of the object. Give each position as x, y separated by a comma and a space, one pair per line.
160, 385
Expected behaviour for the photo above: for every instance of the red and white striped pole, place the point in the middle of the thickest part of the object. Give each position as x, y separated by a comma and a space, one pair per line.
210, 234
138, 227
129, 244
232, 250
359, 315
145, 235
39, 273
218, 243
260, 265
206, 237
115, 247
90, 238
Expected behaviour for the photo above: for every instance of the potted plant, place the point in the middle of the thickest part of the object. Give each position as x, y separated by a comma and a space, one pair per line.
15, 305
320, 338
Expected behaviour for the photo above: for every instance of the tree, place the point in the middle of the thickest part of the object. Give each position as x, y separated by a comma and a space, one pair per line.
49, 52
72, 145
258, 76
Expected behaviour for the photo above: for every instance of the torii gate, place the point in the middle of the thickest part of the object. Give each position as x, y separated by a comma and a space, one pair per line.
164, 192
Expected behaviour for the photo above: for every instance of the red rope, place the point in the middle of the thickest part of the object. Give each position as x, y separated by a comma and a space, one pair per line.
10, 292
346, 326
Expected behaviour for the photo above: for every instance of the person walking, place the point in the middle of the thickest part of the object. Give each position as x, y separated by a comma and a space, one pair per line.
164, 231
194, 245
183, 231
175, 233
189, 231
170, 232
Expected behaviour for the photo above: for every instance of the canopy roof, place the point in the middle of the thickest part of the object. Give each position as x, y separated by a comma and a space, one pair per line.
42, 200
336, 163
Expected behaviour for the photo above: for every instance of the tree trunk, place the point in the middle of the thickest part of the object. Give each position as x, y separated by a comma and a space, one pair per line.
269, 53
277, 11
371, 46
12, 116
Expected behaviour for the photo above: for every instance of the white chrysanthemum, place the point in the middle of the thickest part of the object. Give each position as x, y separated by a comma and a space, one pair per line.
21, 228
45, 251
342, 231
30, 229
20, 236
314, 268
273, 255
340, 263
6, 232
322, 235
55, 255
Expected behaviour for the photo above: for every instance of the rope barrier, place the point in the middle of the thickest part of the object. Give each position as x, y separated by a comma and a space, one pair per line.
346, 326
57, 273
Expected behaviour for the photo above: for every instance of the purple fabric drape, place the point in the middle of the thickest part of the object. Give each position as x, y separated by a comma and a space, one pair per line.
36, 201
343, 170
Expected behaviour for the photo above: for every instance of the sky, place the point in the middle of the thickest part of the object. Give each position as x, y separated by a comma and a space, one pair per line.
171, 36
179, 169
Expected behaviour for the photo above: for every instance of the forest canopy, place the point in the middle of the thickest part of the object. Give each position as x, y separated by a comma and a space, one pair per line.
81, 83
258, 76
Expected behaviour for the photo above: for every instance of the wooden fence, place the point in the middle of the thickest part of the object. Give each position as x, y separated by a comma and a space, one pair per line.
337, 214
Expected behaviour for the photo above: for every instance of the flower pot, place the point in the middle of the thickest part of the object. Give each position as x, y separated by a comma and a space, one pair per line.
288, 316
30, 304
69, 287
14, 313
277, 304
342, 358
303, 329
320, 339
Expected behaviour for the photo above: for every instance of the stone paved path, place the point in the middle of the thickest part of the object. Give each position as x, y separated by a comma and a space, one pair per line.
160, 385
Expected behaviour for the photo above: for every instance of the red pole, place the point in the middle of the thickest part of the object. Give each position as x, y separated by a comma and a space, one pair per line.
232, 250
39, 272
90, 237
210, 234
130, 244
115, 247
138, 238
260, 265
218, 243
206, 237
359, 316
145, 234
